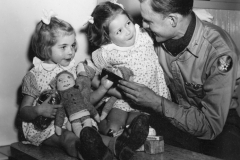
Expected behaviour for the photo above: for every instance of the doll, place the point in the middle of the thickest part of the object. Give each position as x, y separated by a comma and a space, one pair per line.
126, 74
75, 96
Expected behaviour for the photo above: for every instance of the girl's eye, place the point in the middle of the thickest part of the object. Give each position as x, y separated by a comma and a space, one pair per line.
74, 45
63, 47
128, 23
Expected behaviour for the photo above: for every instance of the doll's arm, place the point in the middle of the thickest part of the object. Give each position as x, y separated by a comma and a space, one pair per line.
107, 107
92, 110
84, 84
59, 120
127, 74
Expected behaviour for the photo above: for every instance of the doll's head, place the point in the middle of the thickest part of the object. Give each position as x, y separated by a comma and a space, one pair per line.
64, 80
56, 33
111, 24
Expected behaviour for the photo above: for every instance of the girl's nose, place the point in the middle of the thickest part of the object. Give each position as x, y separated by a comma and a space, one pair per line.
128, 31
71, 51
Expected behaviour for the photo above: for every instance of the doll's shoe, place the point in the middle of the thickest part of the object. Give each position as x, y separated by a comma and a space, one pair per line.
132, 137
91, 146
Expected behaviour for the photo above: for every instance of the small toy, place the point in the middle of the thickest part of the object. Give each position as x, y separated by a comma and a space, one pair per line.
154, 145
41, 122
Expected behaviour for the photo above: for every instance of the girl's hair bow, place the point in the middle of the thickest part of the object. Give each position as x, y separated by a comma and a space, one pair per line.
115, 2
47, 16
91, 20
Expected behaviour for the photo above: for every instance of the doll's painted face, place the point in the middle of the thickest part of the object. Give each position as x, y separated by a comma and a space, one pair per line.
65, 81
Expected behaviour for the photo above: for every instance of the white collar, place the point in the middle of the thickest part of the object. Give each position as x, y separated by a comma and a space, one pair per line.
113, 46
40, 65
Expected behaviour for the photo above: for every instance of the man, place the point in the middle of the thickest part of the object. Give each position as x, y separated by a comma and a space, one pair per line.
201, 68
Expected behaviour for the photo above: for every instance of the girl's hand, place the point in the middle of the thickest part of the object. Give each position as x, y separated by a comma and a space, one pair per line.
47, 110
106, 83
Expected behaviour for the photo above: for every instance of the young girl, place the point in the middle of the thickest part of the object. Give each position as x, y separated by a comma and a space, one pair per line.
54, 41
123, 44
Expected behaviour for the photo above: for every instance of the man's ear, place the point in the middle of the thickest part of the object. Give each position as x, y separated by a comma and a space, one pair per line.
173, 19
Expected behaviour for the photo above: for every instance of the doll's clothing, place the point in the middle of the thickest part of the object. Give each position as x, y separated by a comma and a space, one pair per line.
75, 104
140, 58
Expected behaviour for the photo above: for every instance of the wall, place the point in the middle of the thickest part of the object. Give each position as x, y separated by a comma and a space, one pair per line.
18, 20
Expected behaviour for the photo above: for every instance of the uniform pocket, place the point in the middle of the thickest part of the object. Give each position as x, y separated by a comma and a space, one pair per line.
194, 90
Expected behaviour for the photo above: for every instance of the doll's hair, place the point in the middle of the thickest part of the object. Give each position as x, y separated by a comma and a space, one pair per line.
103, 14
45, 36
64, 72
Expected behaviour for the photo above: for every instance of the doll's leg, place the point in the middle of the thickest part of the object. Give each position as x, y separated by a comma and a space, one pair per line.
77, 127
114, 121
87, 122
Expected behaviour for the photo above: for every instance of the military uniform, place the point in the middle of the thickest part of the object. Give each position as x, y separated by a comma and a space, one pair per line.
202, 80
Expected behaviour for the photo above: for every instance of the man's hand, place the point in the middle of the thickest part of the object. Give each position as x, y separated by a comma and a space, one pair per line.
140, 94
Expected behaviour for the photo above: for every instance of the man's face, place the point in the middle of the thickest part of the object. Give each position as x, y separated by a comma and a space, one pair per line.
65, 81
156, 22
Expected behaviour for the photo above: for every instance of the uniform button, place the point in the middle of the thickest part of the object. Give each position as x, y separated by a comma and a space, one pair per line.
187, 83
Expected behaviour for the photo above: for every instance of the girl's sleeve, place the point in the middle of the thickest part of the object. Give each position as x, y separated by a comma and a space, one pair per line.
99, 60
29, 85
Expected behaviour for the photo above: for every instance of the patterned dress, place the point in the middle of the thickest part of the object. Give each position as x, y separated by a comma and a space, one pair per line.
34, 82
140, 58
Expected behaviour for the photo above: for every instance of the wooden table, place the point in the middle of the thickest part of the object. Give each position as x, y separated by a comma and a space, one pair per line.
21, 151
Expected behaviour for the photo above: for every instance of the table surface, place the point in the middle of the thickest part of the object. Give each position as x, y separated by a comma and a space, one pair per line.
21, 151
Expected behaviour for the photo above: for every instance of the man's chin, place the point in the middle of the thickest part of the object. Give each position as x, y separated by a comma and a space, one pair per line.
159, 39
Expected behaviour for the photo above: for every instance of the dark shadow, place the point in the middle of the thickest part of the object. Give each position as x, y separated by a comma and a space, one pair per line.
90, 47
18, 121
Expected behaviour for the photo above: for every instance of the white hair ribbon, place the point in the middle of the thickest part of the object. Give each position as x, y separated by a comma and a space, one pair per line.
115, 2
91, 20
47, 16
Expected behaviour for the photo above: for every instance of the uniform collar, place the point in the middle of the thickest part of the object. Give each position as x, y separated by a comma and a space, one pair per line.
193, 47
196, 38
40, 65
112, 46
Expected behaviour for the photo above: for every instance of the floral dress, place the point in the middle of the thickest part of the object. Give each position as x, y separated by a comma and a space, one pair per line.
140, 58
34, 82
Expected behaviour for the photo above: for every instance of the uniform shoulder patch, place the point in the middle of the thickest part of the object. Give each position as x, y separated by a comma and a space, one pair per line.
224, 63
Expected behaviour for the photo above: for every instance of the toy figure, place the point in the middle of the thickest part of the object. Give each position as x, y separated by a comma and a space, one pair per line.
75, 98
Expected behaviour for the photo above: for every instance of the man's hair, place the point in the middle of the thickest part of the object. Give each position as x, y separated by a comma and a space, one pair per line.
165, 7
